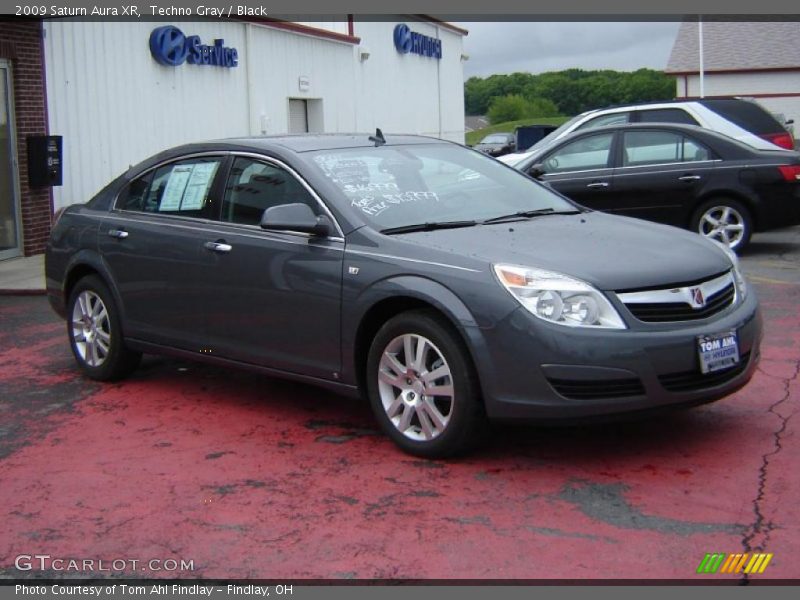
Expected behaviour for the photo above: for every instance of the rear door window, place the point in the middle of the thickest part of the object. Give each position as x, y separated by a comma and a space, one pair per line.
181, 188
660, 147
612, 119
665, 115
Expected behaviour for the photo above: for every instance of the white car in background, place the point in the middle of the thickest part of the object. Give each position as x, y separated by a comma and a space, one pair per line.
743, 120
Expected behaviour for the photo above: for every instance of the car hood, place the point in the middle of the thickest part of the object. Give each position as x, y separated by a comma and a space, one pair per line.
608, 251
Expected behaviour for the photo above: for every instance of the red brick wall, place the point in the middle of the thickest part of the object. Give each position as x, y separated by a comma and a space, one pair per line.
21, 42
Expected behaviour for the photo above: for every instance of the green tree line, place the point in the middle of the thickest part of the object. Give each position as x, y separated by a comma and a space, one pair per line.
568, 92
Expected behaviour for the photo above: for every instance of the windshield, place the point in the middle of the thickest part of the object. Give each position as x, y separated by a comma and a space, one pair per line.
495, 138
396, 186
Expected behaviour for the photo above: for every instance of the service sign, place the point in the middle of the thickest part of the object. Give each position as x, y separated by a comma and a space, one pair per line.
171, 47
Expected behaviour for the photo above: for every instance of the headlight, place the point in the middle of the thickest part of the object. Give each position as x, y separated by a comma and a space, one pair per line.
741, 283
559, 299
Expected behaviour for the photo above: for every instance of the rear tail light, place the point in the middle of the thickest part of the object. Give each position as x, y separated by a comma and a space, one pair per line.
790, 172
784, 140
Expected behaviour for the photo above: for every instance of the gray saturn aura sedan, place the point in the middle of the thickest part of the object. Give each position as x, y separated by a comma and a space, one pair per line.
444, 286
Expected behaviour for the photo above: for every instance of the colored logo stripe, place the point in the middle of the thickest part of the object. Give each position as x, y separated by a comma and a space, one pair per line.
710, 563
734, 563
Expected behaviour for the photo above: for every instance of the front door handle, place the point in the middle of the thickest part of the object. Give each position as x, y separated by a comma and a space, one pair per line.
689, 178
120, 234
598, 184
218, 246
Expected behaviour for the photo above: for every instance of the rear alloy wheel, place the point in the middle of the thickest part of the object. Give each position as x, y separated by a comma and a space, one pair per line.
422, 386
95, 334
725, 221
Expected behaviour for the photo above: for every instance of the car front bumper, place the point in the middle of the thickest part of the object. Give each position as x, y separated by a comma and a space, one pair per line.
533, 370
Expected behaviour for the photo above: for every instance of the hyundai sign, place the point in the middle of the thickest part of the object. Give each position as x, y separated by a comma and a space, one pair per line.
170, 47
407, 41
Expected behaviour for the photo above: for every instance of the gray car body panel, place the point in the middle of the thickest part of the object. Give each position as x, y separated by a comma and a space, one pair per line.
295, 303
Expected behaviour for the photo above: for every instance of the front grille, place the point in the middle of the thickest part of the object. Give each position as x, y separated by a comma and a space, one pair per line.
693, 381
597, 389
680, 311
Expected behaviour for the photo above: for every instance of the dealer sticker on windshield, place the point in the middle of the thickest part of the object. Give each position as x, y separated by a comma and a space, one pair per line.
718, 351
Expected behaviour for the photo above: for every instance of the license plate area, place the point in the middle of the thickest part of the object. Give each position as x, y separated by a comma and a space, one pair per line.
718, 351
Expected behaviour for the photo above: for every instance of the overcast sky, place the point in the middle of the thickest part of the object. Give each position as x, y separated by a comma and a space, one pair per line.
536, 47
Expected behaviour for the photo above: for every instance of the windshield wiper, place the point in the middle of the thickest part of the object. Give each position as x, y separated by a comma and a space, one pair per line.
528, 214
428, 226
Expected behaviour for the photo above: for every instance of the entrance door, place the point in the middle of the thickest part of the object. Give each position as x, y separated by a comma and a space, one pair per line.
10, 245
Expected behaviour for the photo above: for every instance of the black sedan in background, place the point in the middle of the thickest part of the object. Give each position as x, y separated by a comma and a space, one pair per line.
497, 144
680, 175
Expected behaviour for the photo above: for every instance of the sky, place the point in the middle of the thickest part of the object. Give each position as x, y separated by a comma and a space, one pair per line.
536, 47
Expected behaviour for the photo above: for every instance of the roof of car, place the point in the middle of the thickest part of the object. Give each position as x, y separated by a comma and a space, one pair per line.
308, 142
645, 104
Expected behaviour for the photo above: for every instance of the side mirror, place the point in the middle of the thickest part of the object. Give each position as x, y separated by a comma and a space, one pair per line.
296, 217
536, 171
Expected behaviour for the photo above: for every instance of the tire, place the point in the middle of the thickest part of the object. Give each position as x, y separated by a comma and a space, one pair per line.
438, 425
95, 334
724, 220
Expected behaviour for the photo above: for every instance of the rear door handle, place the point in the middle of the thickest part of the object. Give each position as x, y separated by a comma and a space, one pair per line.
120, 234
218, 246
689, 178
598, 184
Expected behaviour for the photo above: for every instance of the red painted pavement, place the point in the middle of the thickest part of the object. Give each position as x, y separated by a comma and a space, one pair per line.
250, 477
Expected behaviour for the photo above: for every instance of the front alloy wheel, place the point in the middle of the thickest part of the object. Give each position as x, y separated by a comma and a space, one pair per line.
423, 387
416, 387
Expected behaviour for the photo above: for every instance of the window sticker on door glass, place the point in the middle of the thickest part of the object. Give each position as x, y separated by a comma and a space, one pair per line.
173, 193
188, 187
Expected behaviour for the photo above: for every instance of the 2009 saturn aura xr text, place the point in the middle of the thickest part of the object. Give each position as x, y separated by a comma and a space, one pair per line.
443, 285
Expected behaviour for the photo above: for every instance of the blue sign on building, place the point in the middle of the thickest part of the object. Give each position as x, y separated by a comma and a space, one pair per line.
170, 47
407, 41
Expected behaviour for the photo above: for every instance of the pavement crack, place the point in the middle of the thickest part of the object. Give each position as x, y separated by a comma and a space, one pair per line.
761, 527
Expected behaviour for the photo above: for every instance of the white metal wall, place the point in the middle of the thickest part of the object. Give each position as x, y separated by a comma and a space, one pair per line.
115, 105
408, 93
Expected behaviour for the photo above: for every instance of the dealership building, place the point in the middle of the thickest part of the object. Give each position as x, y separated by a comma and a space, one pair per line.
80, 101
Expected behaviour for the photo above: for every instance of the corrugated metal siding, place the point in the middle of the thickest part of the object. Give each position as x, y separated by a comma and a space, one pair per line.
409, 93
116, 106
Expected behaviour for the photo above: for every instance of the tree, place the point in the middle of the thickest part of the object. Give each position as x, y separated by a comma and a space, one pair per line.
515, 107
572, 91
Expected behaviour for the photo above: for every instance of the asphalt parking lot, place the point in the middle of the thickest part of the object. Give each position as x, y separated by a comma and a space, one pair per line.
250, 477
